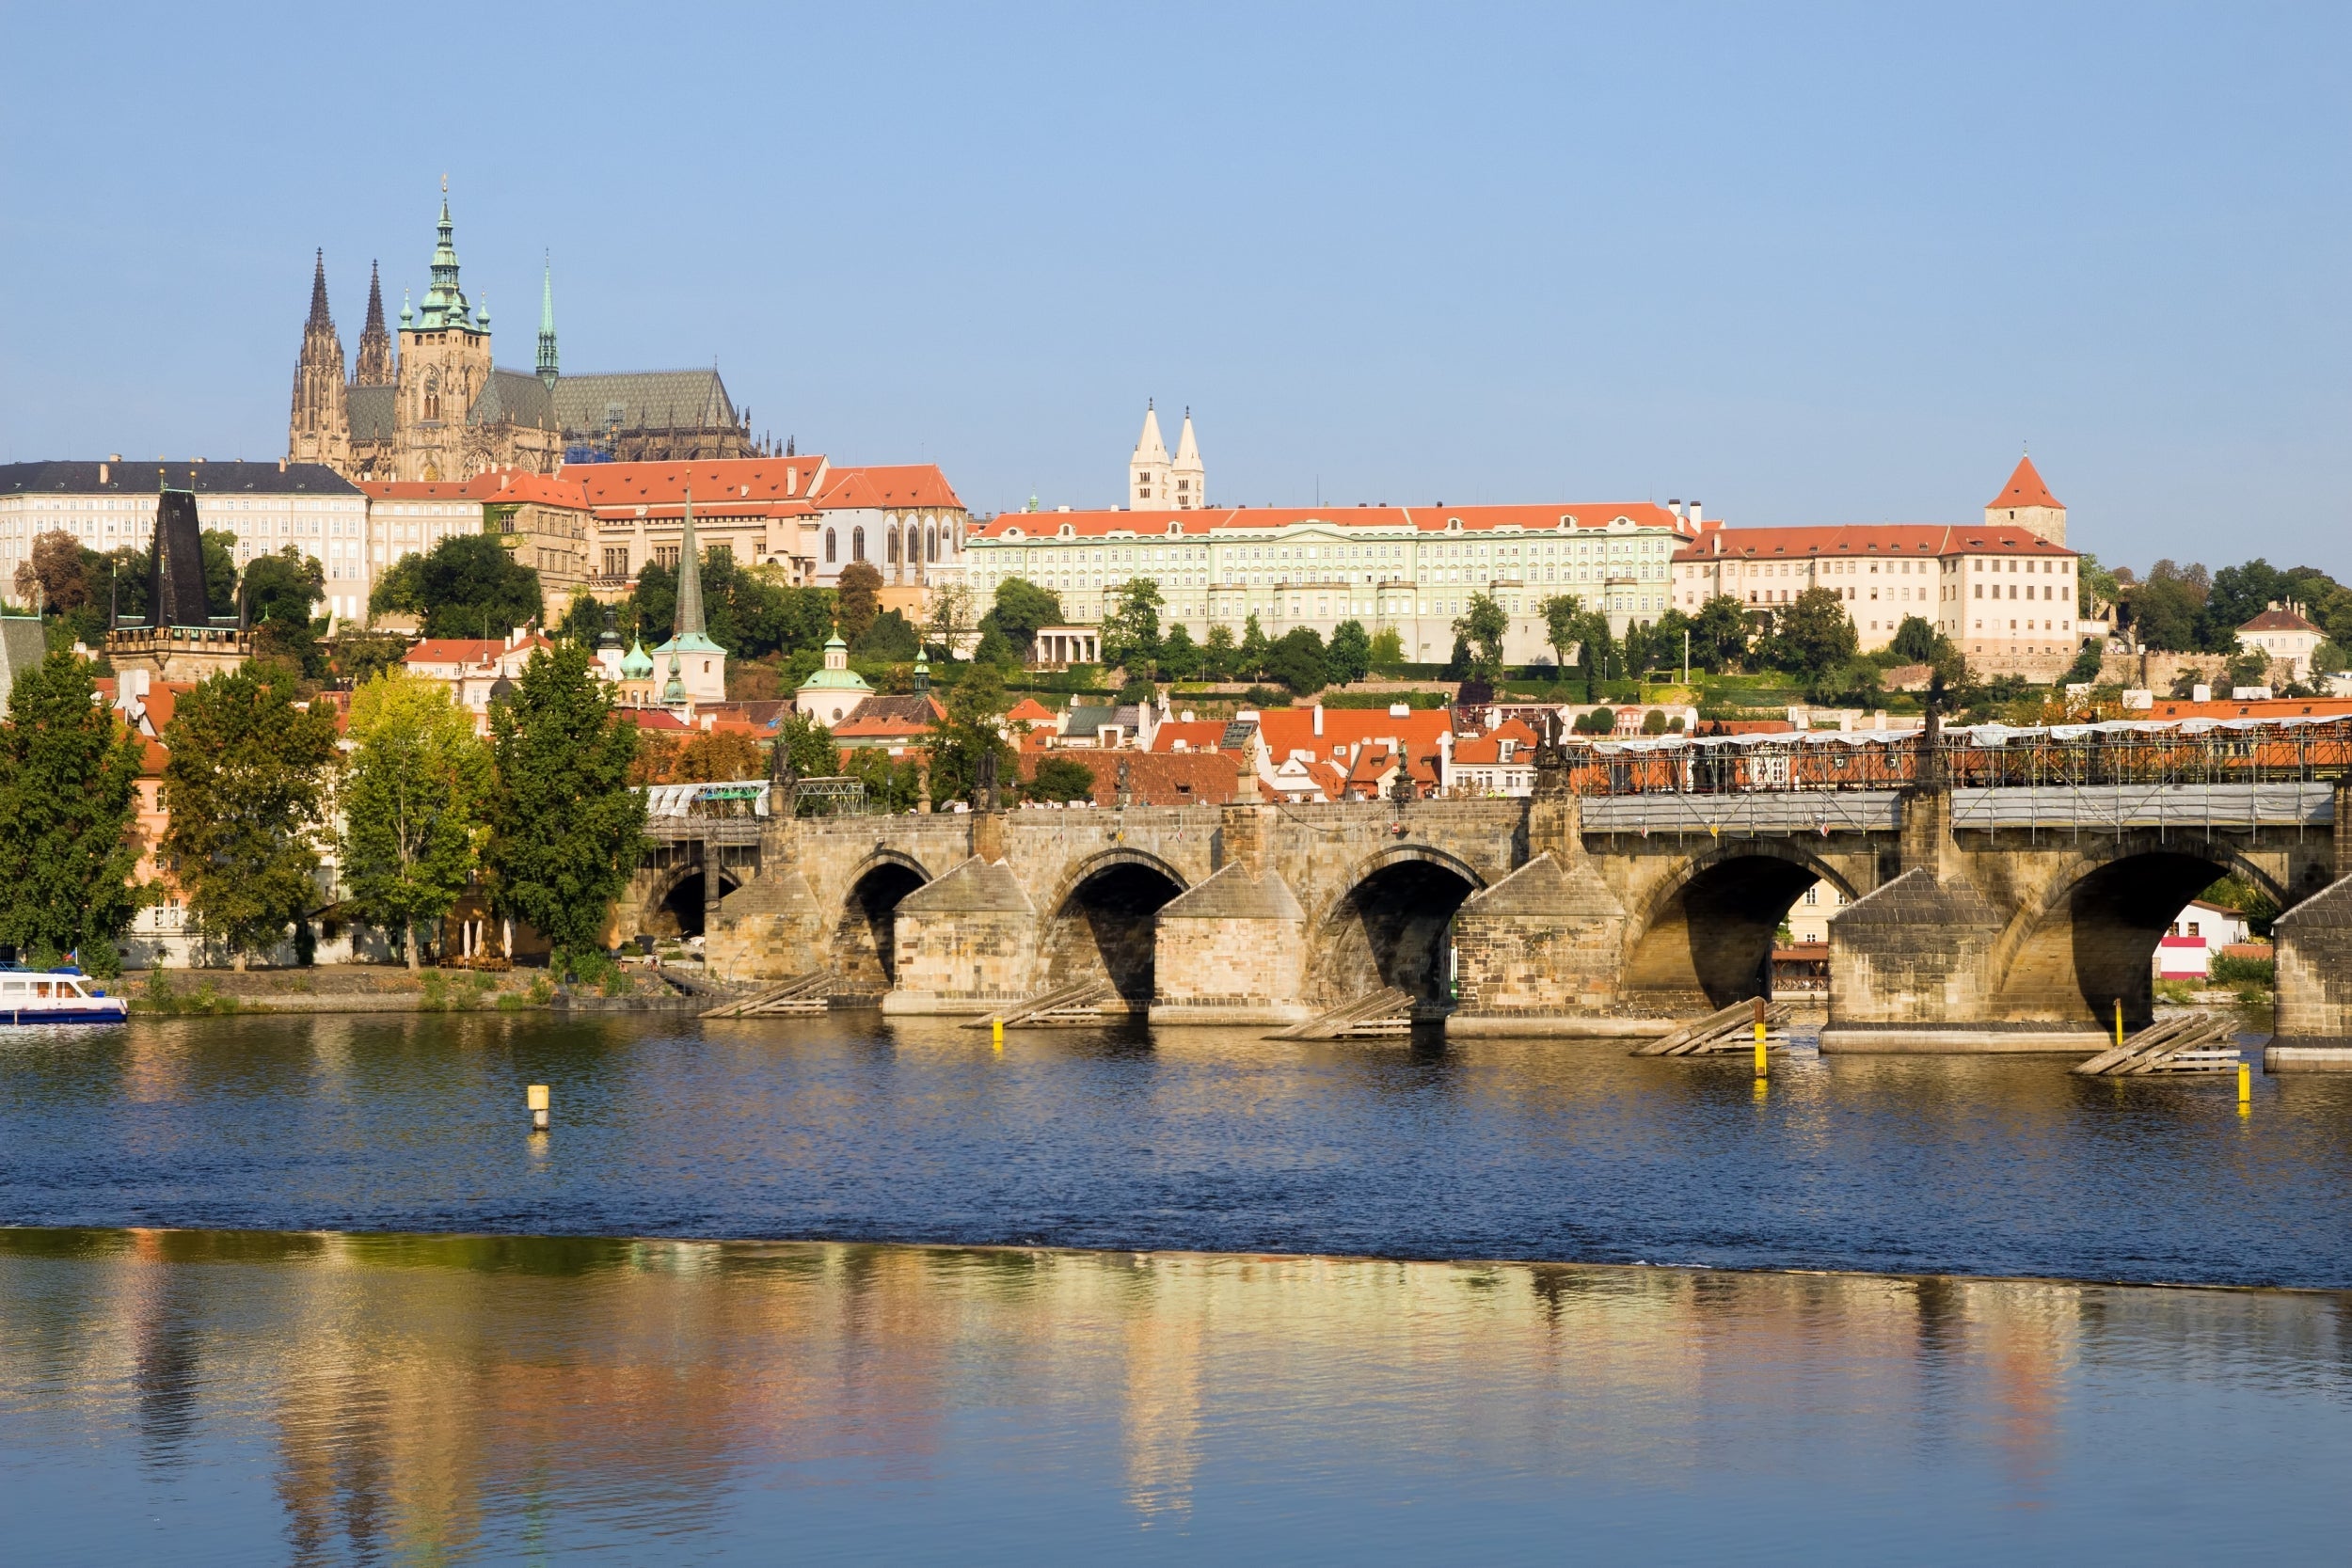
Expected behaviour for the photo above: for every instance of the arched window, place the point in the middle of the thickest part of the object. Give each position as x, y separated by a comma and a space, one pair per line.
931, 541
432, 398
828, 547
857, 543
890, 541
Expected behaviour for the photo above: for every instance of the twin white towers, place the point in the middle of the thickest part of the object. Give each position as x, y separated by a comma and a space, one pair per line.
1155, 483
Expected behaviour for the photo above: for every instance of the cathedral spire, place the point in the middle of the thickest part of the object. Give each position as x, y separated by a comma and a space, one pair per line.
445, 306
547, 372
689, 619
374, 366
319, 316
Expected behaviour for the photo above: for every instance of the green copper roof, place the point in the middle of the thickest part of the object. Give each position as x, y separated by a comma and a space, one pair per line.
636, 665
688, 642
445, 306
546, 366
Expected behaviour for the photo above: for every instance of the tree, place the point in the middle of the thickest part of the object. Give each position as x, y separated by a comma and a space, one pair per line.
1021, 608
889, 638
1218, 655
1297, 660
1483, 625
53, 572
1814, 636
468, 586
1719, 635
1249, 658
361, 655
1915, 641
995, 650
1388, 647
246, 791
68, 805
1060, 779
565, 829
893, 784
1350, 653
414, 804
950, 620
1131, 632
2167, 610
974, 708
808, 747
2096, 589
1562, 613
1180, 656
859, 600
279, 591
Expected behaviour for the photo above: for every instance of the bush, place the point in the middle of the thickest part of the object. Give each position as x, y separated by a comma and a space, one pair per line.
1060, 779
2229, 969
1600, 720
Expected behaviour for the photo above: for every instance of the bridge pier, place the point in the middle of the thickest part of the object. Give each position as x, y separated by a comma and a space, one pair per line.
965, 942
2314, 968
1543, 951
1233, 948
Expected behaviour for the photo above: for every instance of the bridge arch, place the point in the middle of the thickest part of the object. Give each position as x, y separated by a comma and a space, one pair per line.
1102, 922
1701, 934
2087, 938
1391, 925
674, 905
862, 953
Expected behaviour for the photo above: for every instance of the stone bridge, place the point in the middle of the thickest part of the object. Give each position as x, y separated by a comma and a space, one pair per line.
1984, 919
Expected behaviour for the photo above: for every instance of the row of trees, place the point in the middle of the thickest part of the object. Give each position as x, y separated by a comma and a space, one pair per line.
418, 808
2177, 609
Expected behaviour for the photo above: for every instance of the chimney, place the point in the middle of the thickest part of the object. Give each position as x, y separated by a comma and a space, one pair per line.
282, 465
1318, 720
1698, 517
101, 479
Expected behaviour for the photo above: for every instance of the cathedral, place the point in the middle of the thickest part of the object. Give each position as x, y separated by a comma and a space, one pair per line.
433, 406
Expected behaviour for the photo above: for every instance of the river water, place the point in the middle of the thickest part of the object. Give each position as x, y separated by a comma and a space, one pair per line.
403, 1328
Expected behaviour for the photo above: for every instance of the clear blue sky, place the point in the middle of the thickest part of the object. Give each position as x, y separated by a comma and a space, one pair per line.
1804, 263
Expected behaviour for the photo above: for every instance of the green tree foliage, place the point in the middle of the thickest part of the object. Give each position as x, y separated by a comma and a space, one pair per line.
1388, 646
1180, 656
1299, 661
415, 799
974, 708
995, 650
2168, 610
2096, 589
69, 800
1249, 658
53, 575
809, 745
1719, 635
468, 586
279, 591
1021, 607
247, 790
1600, 720
858, 600
889, 638
1483, 625
1349, 657
1561, 612
1814, 636
894, 784
2086, 666
1131, 632
220, 571
565, 829
1915, 640
361, 655
1060, 779
950, 621
584, 619
748, 611
1220, 657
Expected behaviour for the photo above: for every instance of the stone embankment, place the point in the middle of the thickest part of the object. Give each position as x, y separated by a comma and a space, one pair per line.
378, 989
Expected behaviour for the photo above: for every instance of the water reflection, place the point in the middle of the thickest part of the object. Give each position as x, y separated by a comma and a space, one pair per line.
447, 1398
850, 1128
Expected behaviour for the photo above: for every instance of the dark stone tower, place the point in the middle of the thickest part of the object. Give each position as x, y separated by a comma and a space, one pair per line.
319, 429
375, 368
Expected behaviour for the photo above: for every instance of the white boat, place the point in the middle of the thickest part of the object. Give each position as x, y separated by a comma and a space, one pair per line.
37, 997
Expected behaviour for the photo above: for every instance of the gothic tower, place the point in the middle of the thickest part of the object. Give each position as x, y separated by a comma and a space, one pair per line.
1147, 470
319, 429
1188, 480
2026, 502
444, 365
547, 372
375, 368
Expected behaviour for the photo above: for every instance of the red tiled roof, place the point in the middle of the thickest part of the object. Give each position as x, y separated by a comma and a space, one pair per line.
455, 650
714, 481
1924, 540
2252, 707
1292, 729
420, 489
1424, 520
1028, 710
2025, 488
2278, 620
1156, 781
887, 485
1200, 735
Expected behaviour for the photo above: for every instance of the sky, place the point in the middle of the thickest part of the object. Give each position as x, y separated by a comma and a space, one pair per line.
1801, 263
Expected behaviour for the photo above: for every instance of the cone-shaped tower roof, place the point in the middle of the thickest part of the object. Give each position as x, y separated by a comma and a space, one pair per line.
689, 579
547, 372
1149, 447
319, 317
1187, 448
2025, 488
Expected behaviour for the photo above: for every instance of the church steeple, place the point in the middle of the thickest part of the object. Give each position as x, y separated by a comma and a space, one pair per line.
1188, 482
445, 307
547, 372
1147, 470
318, 429
688, 619
374, 366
